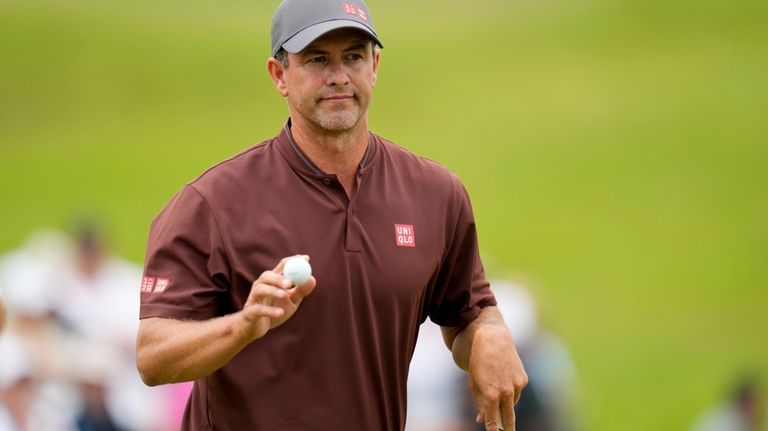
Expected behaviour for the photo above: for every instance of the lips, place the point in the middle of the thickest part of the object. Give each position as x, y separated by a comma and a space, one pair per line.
337, 98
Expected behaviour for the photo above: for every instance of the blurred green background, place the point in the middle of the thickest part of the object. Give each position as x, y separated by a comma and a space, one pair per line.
616, 153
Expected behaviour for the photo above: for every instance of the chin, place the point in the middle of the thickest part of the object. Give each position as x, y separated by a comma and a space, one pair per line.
339, 124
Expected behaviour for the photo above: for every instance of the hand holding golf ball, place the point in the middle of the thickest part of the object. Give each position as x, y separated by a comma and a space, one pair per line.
298, 270
276, 295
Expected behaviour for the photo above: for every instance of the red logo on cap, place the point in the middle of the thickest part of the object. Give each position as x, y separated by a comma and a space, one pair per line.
351, 9
404, 235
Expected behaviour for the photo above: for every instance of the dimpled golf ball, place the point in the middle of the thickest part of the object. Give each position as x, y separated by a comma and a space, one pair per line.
298, 270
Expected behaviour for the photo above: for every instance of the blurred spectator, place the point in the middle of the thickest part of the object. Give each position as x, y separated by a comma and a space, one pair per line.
435, 386
15, 386
740, 411
2, 312
32, 333
72, 309
445, 403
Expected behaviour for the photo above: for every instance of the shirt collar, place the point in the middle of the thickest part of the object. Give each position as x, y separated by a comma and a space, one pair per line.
302, 163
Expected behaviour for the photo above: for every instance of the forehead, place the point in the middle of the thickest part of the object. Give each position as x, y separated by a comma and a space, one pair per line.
340, 38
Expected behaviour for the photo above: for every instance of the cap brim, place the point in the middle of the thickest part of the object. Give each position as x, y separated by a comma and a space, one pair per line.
302, 39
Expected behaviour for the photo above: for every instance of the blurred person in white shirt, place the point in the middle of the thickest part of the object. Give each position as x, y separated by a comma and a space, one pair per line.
73, 305
438, 395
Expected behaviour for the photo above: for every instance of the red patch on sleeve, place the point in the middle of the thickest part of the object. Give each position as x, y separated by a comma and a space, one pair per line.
161, 284
147, 284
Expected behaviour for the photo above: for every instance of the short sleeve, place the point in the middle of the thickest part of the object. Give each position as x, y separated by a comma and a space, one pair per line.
461, 289
186, 274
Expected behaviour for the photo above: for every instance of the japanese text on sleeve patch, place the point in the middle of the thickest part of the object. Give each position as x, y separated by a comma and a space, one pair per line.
151, 284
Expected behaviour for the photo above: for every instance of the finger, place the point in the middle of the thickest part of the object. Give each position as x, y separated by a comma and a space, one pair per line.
300, 292
274, 278
480, 418
492, 422
490, 408
519, 387
257, 310
264, 293
508, 414
281, 265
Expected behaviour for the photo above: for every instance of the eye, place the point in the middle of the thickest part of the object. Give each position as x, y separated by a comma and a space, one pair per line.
354, 57
317, 60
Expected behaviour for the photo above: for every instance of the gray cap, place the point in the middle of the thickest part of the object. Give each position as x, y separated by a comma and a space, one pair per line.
299, 22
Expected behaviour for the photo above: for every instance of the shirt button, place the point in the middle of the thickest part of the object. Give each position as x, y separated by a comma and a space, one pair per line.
327, 181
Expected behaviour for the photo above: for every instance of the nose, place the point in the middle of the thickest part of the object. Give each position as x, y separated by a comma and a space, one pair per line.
336, 74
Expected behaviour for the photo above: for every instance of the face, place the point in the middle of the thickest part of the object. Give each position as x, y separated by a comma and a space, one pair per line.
329, 84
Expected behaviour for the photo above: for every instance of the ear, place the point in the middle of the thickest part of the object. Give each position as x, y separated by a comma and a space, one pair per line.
276, 71
376, 59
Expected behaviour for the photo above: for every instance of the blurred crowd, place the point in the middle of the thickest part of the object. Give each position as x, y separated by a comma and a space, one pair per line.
67, 347
438, 394
742, 409
68, 321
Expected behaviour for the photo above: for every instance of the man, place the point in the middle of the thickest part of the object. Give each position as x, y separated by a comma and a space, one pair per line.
392, 241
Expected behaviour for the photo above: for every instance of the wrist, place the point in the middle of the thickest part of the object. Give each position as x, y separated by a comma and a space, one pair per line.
240, 328
489, 338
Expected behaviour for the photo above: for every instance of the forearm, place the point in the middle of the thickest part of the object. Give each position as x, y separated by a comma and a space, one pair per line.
461, 341
486, 350
169, 350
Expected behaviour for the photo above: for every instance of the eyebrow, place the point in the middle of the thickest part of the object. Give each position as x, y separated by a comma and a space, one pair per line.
354, 45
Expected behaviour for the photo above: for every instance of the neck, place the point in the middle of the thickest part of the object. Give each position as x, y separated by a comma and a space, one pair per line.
336, 153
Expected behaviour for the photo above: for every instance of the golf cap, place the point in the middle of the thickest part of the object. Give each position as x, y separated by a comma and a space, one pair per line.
297, 23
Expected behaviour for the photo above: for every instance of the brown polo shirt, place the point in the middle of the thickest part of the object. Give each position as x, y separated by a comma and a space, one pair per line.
402, 249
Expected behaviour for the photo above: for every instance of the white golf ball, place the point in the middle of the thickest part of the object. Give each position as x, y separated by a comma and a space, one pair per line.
298, 270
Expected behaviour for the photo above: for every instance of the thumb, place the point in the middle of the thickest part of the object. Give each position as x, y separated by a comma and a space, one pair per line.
300, 292
480, 418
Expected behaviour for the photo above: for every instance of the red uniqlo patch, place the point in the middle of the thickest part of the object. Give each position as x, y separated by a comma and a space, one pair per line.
161, 284
404, 235
147, 284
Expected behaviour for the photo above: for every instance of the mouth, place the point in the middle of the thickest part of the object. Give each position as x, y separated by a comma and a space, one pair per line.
338, 98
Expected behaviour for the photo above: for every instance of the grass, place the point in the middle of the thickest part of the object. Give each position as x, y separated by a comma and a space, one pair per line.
615, 153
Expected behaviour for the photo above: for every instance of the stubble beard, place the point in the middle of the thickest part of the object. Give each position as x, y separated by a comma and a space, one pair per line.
341, 119
333, 119
338, 121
